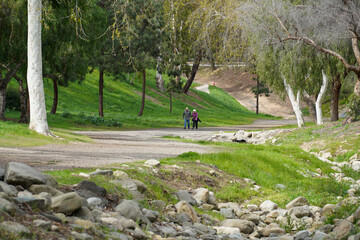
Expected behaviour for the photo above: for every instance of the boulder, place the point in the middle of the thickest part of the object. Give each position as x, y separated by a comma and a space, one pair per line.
272, 229
300, 212
24, 175
150, 214
46, 225
7, 206
227, 230
92, 187
322, 236
66, 203
34, 203
297, 202
129, 209
83, 213
227, 213
302, 235
36, 189
102, 172
167, 231
120, 174
50, 181
343, 229
245, 226
328, 209
268, 206
94, 202
158, 204
152, 163
252, 217
184, 207
10, 190
202, 195
14, 228
356, 166
2, 174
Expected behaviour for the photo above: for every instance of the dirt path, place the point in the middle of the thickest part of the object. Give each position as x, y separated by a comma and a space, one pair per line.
116, 147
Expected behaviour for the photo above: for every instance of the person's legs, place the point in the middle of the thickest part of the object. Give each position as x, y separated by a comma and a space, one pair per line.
196, 124
185, 123
188, 123
193, 125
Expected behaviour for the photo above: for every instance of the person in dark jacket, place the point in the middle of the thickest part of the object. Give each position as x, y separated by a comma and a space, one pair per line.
187, 117
195, 119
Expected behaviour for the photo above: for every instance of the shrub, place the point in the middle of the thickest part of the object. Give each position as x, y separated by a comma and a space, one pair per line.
12, 99
97, 121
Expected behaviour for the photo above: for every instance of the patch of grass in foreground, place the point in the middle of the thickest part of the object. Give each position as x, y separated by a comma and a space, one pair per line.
271, 165
19, 135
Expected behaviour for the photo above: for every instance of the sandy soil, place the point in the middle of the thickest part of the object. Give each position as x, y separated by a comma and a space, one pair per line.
238, 85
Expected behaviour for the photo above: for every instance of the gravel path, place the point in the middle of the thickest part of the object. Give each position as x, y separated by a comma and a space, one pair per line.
116, 147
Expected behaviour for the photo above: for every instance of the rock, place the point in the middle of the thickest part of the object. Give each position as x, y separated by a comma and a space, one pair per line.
127, 184
120, 174
273, 229
129, 209
7, 206
326, 228
36, 189
356, 214
158, 204
300, 212
233, 206
227, 230
322, 236
66, 203
101, 172
212, 199
253, 207
42, 224
252, 217
114, 222
356, 166
10, 190
94, 202
167, 231
150, 214
85, 224
343, 229
268, 206
202, 195
24, 175
116, 236
81, 236
34, 203
207, 207
50, 181
227, 212
2, 174
92, 187
297, 202
302, 235
152, 163
184, 195
84, 213
245, 226
14, 228
140, 186
184, 207
328, 209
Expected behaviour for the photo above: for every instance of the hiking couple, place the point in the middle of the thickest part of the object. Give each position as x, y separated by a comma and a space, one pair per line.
187, 115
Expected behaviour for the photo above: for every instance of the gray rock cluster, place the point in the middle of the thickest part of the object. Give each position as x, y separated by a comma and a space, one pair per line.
85, 211
255, 137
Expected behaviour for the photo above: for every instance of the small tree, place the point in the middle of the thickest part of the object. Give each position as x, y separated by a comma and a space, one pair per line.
173, 87
258, 90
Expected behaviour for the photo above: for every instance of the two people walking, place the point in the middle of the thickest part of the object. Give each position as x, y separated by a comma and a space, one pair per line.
187, 115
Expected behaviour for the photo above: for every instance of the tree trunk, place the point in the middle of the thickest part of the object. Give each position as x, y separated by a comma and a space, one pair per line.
159, 77
56, 96
213, 65
335, 94
257, 95
101, 93
27, 103
194, 70
2, 102
295, 104
143, 93
23, 100
357, 86
318, 103
38, 118
311, 105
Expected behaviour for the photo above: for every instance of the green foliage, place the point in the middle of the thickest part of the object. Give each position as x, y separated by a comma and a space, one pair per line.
96, 120
354, 105
342, 212
12, 99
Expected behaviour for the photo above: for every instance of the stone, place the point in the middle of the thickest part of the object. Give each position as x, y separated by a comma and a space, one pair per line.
34, 203
92, 187
116, 236
81, 236
300, 212
140, 186
233, 206
7, 206
129, 209
356, 166
24, 175
150, 214
102, 172
202, 195
2, 174
297, 202
126, 184
42, 224
50, 181
10, 190
321, 236
280, 186
326, 228
127, 223
207, 207
253, 207
94, 202
85, 224
212, 199
268, 206
152, 163
302, 235
328, 209
273, 229
158, 204
343, 229
36, 189
227, 212
184, 195
66, 203
112, 221
83, 213
227, 230
167, 231
14, 228
245, 226
252, 217
184, 207
120, 174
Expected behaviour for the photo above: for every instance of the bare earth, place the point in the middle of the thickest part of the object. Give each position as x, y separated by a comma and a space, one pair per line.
116, 147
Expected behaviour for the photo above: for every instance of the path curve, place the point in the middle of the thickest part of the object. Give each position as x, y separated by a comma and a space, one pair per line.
117, 147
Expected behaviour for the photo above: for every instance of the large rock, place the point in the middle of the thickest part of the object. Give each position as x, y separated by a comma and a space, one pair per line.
273, 229
202, 195
129, 209
34, 203
24, 175
7, 206
268, 206
322, 236
92, 187
184, 195
343, 229
245, 226
152, 163
66, 203
184, 207
10, 190
2, 174
304, 234
36, 189
300, 212
14, 228
102, 172
328, 209
227, 212
227, 230
297, 202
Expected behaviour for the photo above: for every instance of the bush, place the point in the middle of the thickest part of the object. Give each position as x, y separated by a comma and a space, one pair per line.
97, 121
12, 99
66, 115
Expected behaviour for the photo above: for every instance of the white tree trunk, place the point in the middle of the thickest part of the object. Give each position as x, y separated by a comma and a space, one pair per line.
159, 77
318, 103
295, 103
38, 120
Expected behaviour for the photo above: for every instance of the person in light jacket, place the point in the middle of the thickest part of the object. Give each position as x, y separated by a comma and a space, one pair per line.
195, 119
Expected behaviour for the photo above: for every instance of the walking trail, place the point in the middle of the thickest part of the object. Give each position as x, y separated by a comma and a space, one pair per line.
117, 147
